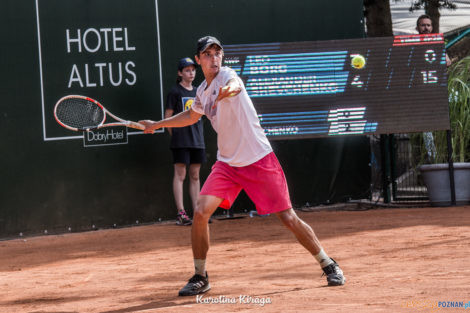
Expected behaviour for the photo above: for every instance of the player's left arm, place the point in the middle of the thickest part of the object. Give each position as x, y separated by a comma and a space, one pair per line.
231, 89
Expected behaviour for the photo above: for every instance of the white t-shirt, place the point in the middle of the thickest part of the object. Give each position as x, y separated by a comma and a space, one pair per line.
240, 139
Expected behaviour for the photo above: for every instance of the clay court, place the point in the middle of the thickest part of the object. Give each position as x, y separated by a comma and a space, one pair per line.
395, 260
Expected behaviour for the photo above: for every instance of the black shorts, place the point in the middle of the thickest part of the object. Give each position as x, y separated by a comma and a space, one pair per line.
189, 155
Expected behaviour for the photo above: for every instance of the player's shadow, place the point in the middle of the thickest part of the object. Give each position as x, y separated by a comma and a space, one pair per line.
158, 304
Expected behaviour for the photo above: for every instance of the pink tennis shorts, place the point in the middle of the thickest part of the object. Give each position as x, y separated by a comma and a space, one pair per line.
263, 181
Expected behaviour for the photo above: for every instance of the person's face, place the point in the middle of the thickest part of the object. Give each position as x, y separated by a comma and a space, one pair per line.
188, 73
424, 26
210, 60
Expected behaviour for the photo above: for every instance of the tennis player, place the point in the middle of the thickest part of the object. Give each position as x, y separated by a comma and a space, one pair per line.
245, 160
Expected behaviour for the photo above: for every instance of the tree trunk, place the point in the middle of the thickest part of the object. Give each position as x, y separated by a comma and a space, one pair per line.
432, 9
378, 18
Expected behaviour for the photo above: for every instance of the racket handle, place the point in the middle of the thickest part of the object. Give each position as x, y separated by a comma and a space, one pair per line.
135, 125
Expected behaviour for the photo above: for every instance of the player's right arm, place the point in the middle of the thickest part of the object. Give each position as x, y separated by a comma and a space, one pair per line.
182, 119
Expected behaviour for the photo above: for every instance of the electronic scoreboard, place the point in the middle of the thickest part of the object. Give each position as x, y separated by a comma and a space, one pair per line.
345, 87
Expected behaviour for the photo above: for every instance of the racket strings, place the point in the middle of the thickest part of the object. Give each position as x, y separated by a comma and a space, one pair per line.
79, 113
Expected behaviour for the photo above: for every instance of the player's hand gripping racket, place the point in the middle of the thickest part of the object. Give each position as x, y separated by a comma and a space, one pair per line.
79, 113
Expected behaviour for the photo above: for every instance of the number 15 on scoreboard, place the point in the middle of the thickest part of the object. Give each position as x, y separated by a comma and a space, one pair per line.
429, 77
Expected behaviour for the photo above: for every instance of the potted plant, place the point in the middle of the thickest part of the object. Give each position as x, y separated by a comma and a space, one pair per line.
436, 176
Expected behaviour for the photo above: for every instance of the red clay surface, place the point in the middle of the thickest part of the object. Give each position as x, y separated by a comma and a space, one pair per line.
395, 260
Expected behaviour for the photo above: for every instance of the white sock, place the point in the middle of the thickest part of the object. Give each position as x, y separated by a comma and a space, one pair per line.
323, 259
200, 267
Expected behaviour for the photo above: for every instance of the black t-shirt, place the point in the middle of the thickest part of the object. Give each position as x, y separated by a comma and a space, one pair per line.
180, 99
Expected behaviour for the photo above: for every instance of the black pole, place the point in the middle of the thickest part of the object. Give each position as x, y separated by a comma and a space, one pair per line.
451, 168
385, 153
393, 162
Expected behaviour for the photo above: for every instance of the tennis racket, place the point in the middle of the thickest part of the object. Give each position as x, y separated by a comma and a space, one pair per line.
80, 113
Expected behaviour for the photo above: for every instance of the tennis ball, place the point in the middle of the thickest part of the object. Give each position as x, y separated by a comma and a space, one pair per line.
358, 61
230, 94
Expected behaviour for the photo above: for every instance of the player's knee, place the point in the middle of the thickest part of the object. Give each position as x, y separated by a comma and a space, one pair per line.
200, 214
288, 218
205, 207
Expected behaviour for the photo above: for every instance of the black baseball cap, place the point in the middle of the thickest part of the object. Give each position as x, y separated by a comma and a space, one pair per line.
207, 41
185, 62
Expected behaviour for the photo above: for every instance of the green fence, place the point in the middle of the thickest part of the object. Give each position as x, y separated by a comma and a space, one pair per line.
50, 179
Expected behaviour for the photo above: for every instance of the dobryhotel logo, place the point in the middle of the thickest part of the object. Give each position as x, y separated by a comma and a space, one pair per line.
105, 136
